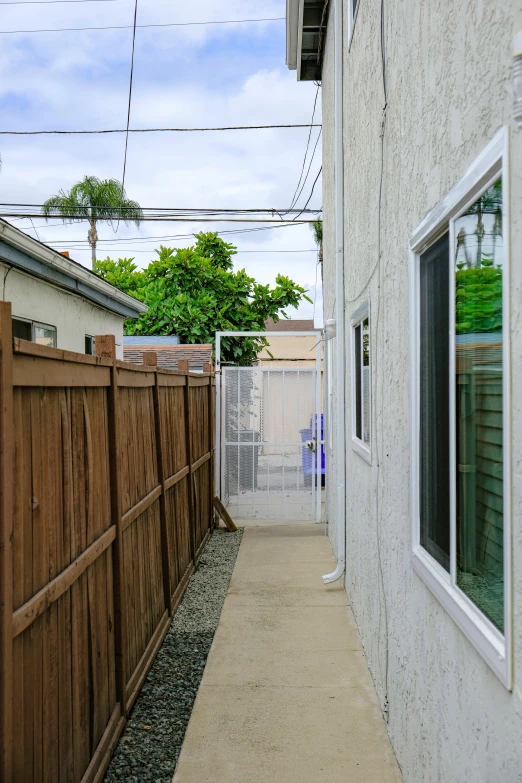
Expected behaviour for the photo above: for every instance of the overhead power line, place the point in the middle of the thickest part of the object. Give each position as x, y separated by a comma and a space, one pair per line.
306, 150
151, 130
86, 246
129, 26
176, 211
304, 209
130, 96
167, 237
166, 219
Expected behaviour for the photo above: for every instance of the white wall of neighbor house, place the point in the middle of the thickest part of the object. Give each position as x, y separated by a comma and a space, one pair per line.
73, 316
450, 718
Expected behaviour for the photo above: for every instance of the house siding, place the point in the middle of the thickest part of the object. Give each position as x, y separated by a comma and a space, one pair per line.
448, 76
73, 316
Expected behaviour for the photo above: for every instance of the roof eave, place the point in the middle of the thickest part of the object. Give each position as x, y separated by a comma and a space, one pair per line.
292, 30
39, 260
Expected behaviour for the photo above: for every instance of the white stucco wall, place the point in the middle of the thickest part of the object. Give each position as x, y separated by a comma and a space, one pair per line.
448, 74
329, 299
73, 316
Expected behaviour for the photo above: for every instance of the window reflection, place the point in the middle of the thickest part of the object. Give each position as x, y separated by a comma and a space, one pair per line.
479, 403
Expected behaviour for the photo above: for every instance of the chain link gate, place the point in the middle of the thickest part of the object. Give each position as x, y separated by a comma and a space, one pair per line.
269, 431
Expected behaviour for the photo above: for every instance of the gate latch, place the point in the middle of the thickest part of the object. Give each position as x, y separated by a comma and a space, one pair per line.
311, 445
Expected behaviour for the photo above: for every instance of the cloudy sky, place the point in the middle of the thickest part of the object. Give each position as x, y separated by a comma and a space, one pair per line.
193, 75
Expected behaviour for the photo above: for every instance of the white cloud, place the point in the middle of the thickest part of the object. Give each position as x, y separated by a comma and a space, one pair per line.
209, 75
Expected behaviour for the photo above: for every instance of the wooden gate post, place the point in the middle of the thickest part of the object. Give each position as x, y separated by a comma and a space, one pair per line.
150, 359
106, 348
6, 541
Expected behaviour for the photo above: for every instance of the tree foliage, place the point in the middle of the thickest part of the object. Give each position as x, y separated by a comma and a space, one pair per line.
479, 299
194, 292
93, 199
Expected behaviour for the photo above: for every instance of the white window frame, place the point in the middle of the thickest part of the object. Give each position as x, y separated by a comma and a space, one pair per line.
44, 326
493, 646
358, 445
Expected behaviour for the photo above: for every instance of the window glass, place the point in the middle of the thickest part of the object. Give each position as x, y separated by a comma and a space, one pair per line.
22, 329
89, 345
366, 380
362, 383
358, 407
479, 403
44, 335
434, 439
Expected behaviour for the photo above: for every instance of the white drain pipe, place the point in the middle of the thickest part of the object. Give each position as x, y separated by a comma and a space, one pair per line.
340, 450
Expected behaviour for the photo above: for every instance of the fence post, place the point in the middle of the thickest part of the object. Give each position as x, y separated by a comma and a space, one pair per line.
211, 427
6, 542
183, 366
106, 348
150, 359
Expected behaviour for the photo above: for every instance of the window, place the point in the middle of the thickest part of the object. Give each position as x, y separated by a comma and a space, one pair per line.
460, 452
361, 381
89, 345
22, 329
43, 334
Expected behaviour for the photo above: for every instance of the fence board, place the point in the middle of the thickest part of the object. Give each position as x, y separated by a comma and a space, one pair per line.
102, 465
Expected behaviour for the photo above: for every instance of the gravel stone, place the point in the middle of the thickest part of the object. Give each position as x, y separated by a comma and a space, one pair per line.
150, 745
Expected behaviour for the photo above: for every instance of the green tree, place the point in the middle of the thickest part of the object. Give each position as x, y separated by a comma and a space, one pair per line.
94, 199
193, 292
317, 231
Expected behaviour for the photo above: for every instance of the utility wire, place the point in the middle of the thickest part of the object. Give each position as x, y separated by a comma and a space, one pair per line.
167, 237
165, 219
130, 95
150, 130
309, 197
129, 26
177, 211
309, 167
152, 249
306, 150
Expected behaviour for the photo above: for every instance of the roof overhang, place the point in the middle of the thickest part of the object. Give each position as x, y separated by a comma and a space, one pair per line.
306, 22
27, 254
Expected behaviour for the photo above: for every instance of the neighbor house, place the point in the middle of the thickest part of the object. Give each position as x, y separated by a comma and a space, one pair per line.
422, 198
56, 301
290, 350
168, 351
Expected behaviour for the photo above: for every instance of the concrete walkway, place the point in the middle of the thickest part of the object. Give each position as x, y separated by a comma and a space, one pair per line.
286, 696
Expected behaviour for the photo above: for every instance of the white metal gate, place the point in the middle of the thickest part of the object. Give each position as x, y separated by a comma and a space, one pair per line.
270, 431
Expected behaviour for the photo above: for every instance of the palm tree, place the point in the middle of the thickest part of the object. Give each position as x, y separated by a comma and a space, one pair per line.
93, 199
317, 230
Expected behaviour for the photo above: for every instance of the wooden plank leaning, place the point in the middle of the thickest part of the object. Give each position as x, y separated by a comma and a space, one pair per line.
6, 538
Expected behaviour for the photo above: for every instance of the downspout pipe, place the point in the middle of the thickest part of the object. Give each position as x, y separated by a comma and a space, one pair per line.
340, 450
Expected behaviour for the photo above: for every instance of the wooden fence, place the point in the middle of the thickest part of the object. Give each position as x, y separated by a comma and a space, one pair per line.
105, 506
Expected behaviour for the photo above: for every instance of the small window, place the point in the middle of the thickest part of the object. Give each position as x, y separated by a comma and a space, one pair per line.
89, 345
22, 329
361, 379
460, 425
43, 334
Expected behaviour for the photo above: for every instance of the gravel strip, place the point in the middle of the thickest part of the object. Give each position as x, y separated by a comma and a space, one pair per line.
150, 745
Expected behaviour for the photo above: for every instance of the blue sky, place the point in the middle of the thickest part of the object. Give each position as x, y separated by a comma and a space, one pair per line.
186, 76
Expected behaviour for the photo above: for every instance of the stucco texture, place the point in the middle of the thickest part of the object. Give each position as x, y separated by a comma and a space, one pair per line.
73, 316
448, 77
